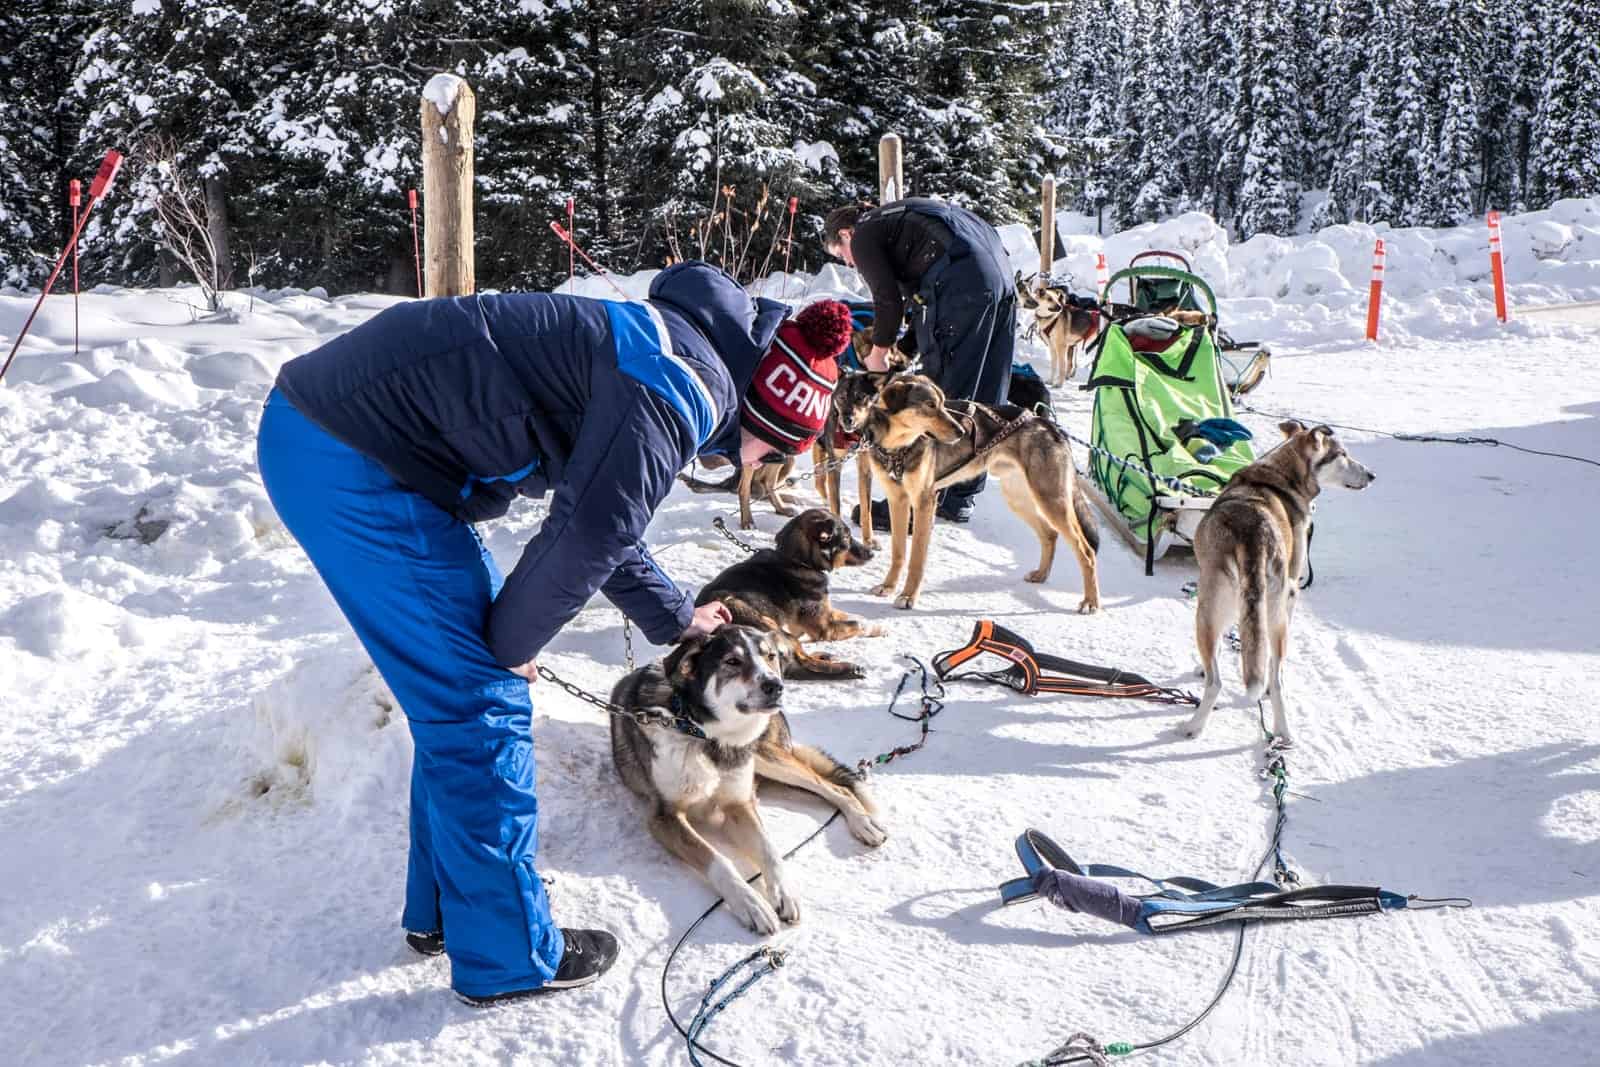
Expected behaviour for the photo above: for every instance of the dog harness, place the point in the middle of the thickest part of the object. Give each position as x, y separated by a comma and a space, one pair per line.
1030, 672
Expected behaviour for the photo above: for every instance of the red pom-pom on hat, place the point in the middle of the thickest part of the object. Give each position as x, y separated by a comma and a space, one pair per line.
826, 327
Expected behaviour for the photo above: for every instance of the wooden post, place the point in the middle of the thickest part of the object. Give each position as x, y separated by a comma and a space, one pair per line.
891, 178
1047, 229
448, 109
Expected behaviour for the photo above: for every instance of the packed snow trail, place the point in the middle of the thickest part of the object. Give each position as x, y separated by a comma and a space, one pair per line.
203, 784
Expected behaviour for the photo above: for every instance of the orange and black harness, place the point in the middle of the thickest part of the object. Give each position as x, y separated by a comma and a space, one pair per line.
1032, 673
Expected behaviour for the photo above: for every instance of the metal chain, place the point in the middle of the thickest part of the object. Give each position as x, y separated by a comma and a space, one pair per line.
761, 962
1174, 484
639, 716
627, 642
824, 468
722, 528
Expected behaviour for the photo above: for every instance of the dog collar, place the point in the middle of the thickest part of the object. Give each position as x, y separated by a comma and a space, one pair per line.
681, 721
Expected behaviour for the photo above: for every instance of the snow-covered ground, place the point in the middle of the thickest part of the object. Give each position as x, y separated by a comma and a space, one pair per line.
203, 784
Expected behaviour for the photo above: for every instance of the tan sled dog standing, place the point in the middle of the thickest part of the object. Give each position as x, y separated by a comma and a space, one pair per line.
921, 443
1064, 327
1251, 547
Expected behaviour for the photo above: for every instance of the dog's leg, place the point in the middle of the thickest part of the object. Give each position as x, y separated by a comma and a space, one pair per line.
827, 482
1014, 487
838, 626
745, 829
1278, 649
1209, 621
899, 527
747, 476
864, 491
672, 829
774, 482
922, 532
1063, 516
1058, 357
813, 770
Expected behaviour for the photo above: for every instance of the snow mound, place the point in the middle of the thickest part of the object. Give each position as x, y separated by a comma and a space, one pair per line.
139, 389
65, 624
330, 732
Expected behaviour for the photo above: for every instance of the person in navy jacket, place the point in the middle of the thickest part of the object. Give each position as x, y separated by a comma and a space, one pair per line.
381, 448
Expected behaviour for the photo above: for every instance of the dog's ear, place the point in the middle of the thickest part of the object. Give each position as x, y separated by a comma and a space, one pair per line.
679, 664
1291, 427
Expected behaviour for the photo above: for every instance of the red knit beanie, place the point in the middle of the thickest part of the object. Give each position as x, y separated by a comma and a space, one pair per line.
789, 397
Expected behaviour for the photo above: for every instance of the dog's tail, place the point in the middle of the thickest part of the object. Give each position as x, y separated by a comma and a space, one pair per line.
1088, 522
730, 484
836, 773
1253, 634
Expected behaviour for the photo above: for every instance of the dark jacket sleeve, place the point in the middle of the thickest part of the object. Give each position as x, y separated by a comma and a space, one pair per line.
870, 247
645, 594
630, 447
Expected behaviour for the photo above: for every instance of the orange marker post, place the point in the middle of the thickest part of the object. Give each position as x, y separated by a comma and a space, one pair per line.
1375, 295
1102, 276
1497, 266
572, 262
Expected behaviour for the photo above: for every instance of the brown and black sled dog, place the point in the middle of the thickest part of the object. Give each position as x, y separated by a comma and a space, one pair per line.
921, 443
784, 590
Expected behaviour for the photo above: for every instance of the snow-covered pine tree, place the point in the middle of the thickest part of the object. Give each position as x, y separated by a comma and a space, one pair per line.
1268, 132
1456, 55
1566, 125
187, 71
1154, 116
719, 129
1083, 75
39, 45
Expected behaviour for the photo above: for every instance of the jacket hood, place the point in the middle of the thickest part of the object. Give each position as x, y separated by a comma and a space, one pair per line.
739, 327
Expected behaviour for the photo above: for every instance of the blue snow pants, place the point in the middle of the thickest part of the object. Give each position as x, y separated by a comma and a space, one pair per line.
416, 585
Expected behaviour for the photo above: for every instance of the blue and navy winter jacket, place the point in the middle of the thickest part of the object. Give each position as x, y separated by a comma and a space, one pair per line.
471, 401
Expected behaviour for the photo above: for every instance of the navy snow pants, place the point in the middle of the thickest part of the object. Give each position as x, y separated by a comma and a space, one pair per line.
966, 324
415, 584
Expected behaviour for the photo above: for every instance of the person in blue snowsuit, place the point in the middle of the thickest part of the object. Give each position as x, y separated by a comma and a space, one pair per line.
952, 269
382, 447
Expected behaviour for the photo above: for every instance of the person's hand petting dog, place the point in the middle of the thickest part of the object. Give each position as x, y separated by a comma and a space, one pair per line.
707, 617
877, 359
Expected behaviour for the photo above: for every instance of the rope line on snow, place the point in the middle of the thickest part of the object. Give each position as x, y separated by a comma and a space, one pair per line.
1427, 438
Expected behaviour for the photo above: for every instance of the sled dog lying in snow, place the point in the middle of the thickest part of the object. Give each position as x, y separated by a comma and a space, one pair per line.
784, 591
729, 687
1251, 548
921, 443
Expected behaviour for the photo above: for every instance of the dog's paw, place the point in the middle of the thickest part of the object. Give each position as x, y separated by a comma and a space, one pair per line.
865, 828
749, 908
1036, 576
751, 525
1088, 606
1193, 728
854, 670
873, 629
786, 904
882, 590
905, 602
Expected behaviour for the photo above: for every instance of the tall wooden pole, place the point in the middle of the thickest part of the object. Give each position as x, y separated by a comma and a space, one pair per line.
891, 178
448, 110
1047, 229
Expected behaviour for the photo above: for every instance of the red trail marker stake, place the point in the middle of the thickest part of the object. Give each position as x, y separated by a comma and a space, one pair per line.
572, 264
597, 268
788, 245
1497, 266
97, 189
416, 243
75, 200
1375, 294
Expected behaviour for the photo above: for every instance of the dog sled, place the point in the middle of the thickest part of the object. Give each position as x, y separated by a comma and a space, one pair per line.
1163, 406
